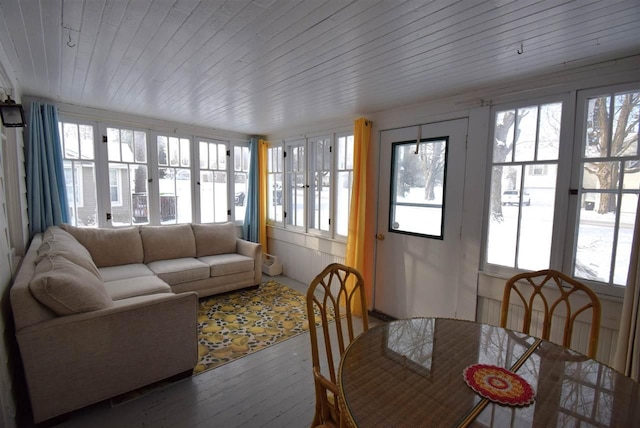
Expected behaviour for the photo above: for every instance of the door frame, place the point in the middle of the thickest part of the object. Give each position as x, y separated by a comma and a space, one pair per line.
473, 200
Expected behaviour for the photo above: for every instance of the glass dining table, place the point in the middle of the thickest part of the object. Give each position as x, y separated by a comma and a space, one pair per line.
411, 373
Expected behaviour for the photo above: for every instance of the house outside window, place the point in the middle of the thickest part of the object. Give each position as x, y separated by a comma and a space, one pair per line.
124, 177
128, 175
560, 203
115, 186
78, 154
522, 202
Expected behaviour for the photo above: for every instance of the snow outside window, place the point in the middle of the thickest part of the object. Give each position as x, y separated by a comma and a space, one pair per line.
524, 167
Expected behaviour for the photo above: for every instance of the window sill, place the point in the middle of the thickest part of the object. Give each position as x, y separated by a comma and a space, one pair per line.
312, 241
616, 295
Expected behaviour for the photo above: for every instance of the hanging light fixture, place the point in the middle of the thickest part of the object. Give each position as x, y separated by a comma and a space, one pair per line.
12, 114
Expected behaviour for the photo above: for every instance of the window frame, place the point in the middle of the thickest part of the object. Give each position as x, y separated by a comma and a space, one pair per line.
101, 167
571, 233
393, 194
198, 141
232, 178
560, 207
153, 167
277, 161
307, 143
566, 207
103, 175
335, 183
290, 216
79, 165
310, 185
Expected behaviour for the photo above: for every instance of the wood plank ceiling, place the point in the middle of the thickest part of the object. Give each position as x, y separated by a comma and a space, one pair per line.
257, 66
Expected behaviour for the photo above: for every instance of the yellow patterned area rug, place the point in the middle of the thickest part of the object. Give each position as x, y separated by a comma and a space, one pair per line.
236, 324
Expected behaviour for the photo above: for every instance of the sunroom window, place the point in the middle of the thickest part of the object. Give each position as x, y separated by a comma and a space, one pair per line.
526, 143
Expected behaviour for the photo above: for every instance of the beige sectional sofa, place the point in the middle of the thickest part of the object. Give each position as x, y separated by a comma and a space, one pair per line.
99, 312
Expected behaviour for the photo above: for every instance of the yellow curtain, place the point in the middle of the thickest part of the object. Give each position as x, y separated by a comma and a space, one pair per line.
355, 255
262, 171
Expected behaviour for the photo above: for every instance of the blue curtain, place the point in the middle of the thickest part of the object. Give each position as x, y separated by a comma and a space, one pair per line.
46, 190
251, 224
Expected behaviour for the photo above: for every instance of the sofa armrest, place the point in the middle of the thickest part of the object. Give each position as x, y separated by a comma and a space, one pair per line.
76, 360
253, 250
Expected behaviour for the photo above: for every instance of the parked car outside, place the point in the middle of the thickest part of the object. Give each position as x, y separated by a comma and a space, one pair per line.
512, 197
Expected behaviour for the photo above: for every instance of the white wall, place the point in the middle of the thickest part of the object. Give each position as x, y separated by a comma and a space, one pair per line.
304, 256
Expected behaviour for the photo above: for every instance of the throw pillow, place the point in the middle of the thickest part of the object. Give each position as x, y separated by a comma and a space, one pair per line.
67, 288
57, 241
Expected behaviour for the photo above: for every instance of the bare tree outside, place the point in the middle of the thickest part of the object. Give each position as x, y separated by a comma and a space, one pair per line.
611, 136
503, 145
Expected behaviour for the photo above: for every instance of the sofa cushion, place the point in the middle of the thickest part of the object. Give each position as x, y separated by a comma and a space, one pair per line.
167, 242
212, 239
228, 264
66, 288
110, 247
132, 287
115, 273
58, 241
178, 271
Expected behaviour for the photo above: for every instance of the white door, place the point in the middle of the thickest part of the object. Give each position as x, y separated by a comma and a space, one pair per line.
418, 252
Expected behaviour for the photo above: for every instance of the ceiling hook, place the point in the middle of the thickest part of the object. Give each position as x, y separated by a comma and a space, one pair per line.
69, 41
521, 50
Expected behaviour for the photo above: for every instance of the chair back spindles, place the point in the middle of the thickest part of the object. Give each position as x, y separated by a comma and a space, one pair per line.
331, 298
550, 293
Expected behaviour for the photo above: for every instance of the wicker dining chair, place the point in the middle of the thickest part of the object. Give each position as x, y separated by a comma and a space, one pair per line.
330, 297
553, 294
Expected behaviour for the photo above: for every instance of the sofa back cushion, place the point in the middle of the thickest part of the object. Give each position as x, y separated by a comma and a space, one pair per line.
58, 241
212, 239
167, 242
66, 288
110, 247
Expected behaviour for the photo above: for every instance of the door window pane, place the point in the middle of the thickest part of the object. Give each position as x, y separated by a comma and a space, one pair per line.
418, 186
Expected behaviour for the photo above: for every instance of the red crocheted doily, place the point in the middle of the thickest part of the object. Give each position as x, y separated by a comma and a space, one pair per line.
498, 384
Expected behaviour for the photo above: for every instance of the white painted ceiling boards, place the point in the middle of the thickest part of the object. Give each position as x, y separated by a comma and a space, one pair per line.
257, 66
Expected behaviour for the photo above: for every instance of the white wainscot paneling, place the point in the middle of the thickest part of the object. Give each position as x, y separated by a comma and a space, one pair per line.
488, 312
303, 256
